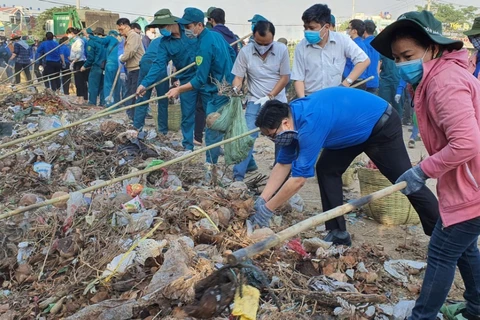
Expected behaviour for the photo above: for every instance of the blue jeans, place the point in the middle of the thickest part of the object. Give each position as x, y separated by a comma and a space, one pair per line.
132, 84
141, 111
414, 134
111, 69
450, 247
251, 113
213, 103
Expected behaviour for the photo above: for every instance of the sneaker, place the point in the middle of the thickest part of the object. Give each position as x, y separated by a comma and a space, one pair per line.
411, 144
339, 237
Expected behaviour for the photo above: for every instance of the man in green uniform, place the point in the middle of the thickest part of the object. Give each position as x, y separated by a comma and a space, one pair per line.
96, 58
389, 80
209, 24
214, 59
175, 47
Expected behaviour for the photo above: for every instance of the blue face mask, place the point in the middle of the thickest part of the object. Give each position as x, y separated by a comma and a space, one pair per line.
313, 37
165, 32
411, 71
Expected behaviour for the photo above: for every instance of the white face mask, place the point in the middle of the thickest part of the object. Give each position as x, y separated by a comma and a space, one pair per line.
261, 48
151, 35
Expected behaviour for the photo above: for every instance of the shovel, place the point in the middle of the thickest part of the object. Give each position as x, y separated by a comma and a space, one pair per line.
242, 255
110, 96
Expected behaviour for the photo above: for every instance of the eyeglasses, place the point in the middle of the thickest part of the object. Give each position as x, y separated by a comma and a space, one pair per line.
272, 136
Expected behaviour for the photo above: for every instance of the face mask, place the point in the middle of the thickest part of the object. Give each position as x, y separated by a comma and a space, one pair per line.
190, 34
285, 138
313, 37
167, 33
262, 49
411, 71
475, 40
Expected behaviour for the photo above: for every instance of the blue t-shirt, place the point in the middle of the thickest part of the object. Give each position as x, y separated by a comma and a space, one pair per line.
332, 118
372, 69
349, 64
47, 46
477, 69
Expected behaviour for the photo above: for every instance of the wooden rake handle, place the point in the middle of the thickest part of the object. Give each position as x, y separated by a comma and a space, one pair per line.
278, 238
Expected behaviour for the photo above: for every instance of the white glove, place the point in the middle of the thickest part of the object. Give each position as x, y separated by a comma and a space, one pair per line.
397, 98
120, 58
71, 66
262, 101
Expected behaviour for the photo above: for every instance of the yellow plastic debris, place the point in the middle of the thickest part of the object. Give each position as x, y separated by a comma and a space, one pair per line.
246, 307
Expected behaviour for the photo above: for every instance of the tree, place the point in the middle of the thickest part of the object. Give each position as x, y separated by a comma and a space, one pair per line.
343, 26
449, 14
39, 30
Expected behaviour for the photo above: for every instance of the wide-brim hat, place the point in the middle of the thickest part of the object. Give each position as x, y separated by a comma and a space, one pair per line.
475, 28
191, 15
209, 11
423, 21
99, 31
162, 17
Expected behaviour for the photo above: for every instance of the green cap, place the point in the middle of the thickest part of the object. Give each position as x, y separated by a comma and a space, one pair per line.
424, 21
191, 15
162, 17
209, 11
257, 18
475, 28
332, 20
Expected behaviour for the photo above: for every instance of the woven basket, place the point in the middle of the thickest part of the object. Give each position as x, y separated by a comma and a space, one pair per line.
348, 176
394, 209
174, 116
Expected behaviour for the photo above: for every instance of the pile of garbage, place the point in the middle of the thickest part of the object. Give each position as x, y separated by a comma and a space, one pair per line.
26, 103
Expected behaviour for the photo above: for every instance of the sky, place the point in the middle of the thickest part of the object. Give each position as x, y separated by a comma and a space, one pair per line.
285, 14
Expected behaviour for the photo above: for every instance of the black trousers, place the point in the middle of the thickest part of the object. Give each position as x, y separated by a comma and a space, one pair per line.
66, 78
387, 150
81, 80
132, 84
52, 70
24, 68
200, 118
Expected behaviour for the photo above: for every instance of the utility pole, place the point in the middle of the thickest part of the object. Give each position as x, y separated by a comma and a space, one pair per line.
353, 9
429, 2
78, 4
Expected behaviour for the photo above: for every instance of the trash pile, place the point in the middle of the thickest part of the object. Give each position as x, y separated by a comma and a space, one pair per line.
46, 102
154, 246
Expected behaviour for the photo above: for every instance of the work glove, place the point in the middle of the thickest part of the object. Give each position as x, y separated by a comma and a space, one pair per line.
71, 66
397, 98
415, 179
258, 203
262, 101
64, 65
120, 59
262, 217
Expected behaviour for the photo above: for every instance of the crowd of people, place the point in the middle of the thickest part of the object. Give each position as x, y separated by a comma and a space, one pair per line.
323, 130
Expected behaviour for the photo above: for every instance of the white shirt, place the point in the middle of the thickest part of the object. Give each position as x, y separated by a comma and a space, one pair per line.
262, 75
77, 51
323, 67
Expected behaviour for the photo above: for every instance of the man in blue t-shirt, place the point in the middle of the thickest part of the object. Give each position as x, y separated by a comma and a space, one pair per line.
344, 122
356, 29
374, 68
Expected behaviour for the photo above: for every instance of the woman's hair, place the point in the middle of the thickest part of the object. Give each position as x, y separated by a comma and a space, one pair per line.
420, 38
272, 114
72, 30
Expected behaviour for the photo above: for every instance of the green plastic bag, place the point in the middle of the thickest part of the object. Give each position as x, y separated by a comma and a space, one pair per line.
232, 122
453, 311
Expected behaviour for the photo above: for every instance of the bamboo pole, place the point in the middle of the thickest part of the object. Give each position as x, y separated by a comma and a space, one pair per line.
167, 78
110, 96
94, 117
106, 111
41, 82
125, 177
241, 255
43, 56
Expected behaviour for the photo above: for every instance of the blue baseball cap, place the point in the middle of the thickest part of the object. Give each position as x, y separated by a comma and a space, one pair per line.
257, 18
191, 15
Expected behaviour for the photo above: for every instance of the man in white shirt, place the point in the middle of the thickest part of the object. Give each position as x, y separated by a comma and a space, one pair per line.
320, 57
267, 66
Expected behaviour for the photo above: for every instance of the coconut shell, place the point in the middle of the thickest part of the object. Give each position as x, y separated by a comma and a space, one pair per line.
224, 216
28, 199
211, 118
108, 126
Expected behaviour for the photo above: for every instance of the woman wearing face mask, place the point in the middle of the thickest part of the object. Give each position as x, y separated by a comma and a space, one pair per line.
474, 37
77, 58
344, 122
447, 105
